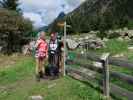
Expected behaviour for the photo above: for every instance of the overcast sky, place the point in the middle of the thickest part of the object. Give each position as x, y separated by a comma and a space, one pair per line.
42, 12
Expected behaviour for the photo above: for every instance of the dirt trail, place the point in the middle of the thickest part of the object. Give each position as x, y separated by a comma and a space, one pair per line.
8, 61
25, 83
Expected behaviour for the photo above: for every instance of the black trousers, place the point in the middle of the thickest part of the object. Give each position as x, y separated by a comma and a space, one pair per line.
53, 59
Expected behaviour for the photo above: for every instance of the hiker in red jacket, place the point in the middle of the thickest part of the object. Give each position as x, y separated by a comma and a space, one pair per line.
41, 55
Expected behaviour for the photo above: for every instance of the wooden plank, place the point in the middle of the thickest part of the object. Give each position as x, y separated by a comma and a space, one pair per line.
120, 63
89, 77
112, 60
74, 73
78, 77
84, 65
121, 76
89, 56
114, 90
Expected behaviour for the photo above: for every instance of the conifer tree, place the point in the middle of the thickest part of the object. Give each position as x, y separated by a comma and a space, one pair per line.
10, 5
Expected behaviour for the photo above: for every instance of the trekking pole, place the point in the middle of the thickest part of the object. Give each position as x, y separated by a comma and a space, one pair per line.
65, 48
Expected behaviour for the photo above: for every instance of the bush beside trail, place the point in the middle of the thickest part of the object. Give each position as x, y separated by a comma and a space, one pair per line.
13, 29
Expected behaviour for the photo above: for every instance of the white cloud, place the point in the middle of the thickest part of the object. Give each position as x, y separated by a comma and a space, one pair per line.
35, 18
43, 12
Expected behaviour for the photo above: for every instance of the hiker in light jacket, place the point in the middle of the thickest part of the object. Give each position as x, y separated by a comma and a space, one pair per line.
41, 55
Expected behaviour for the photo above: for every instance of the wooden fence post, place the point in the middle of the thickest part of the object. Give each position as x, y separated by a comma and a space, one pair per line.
106, 89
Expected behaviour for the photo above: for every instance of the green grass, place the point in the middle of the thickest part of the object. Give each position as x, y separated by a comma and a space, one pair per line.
17, 82
17, 72
130, 24
115, 47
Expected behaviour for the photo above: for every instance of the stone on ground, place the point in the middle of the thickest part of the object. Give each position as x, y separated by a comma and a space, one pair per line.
130, 48
36, 97
52, 85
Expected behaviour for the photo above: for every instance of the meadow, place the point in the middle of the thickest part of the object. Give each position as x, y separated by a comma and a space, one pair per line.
17, 82
17, 78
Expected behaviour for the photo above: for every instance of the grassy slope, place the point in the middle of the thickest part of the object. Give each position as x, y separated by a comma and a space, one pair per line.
117, 47
17, 83
17, 79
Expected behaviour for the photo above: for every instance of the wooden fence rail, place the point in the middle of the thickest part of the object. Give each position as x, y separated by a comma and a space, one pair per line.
114, 89
121, 76
106, 60
112, 60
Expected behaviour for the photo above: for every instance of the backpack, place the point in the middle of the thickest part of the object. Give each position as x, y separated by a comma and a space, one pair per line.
52, 70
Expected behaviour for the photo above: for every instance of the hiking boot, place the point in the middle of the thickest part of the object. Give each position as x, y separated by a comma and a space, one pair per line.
45, 77
37, 78
41, 75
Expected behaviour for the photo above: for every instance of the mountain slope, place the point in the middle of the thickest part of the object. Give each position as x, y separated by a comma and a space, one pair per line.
98, 15
53, 27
